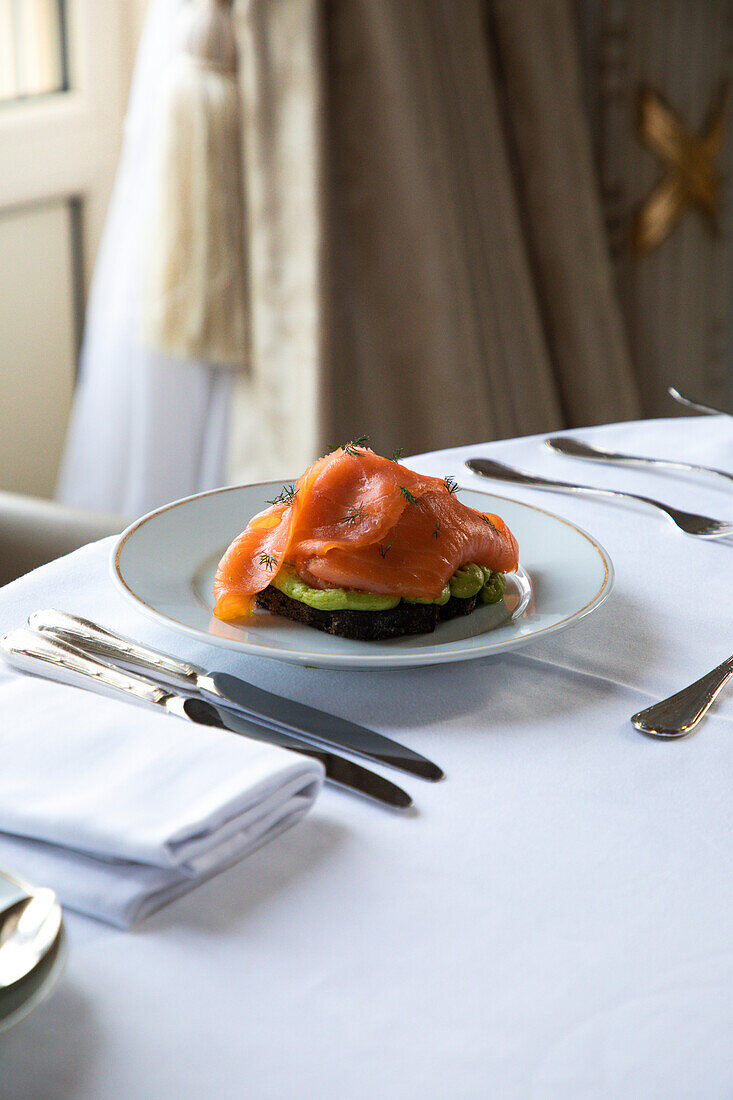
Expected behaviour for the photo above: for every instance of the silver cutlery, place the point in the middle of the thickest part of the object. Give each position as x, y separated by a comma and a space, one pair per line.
41, 655
576, 448
689, 522
28, 929
697, 405
681, 712
259, 706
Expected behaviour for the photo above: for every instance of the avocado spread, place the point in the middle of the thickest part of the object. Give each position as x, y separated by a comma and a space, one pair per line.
469, 580
331, 599
494, 587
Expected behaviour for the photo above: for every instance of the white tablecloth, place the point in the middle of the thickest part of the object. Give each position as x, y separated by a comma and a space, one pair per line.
556, 920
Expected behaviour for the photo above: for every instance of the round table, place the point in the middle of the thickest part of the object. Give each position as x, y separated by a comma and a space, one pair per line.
555, 920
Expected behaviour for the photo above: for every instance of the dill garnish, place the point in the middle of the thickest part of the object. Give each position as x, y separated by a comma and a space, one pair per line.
286, 495
487, 521
397, 454
384, 550
268, 560
350, 447
408, 495
356, 515
451, 484
436, 529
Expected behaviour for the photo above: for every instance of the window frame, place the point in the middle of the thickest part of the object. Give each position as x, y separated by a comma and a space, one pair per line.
65, 144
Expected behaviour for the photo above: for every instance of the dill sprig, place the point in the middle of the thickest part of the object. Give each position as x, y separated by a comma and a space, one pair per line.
268, 560
451, 485
436, 529
487, 521
408, 495
397, 454
384, 550
350, 447
356, 515
286, 495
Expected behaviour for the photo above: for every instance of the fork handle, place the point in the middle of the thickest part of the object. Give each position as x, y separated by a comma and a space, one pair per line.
689, 522
36, 653
489, 467
576, 448
681, 712
697, 405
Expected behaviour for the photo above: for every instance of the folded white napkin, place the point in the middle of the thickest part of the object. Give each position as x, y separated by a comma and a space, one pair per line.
115, 806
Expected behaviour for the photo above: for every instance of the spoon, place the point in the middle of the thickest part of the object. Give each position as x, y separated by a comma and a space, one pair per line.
681, 712
29, 929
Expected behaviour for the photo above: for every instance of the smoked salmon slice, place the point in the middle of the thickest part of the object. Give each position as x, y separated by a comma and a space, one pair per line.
357, 520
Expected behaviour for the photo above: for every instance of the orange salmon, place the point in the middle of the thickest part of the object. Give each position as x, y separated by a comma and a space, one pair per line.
357, 520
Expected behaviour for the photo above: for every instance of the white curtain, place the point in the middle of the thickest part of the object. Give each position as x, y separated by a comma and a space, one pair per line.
145, 428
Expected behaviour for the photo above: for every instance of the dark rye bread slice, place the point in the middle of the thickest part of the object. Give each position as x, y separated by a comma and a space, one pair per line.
406, 618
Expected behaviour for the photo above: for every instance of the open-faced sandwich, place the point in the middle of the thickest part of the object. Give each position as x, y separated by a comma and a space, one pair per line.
362, 547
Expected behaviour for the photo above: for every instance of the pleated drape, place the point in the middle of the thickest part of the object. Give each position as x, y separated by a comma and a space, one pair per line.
434, 331
440, 195
457, 272
675, 298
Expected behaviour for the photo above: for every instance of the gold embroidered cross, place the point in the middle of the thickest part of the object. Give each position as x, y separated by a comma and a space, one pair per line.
692, 177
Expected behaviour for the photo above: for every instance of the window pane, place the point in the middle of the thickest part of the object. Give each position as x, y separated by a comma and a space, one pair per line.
39, 326
32, 48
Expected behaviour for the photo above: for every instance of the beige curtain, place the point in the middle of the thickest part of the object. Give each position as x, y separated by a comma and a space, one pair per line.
431, 185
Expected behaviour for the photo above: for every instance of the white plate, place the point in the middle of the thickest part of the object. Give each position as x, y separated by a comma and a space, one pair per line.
165, 563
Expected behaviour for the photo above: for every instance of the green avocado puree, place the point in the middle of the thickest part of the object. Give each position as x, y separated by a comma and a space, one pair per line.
331, 599
469, 580
494, 587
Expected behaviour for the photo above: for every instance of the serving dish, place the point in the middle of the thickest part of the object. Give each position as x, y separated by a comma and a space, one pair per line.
165, 563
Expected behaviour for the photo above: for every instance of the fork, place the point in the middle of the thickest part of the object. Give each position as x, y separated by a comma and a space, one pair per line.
576, 448
702, 526
682, 400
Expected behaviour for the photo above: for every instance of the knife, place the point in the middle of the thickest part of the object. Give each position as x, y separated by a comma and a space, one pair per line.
259, 706
41, 655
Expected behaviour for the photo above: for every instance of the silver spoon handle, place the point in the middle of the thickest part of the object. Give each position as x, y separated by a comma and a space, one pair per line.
576, 448
681, 712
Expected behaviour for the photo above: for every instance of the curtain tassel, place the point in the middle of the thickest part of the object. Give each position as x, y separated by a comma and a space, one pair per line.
194, 295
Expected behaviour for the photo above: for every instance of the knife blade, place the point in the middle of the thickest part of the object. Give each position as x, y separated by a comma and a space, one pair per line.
259, 706
37, 653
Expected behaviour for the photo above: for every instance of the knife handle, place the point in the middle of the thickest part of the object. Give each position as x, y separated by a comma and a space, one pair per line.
105, 643
43, 656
